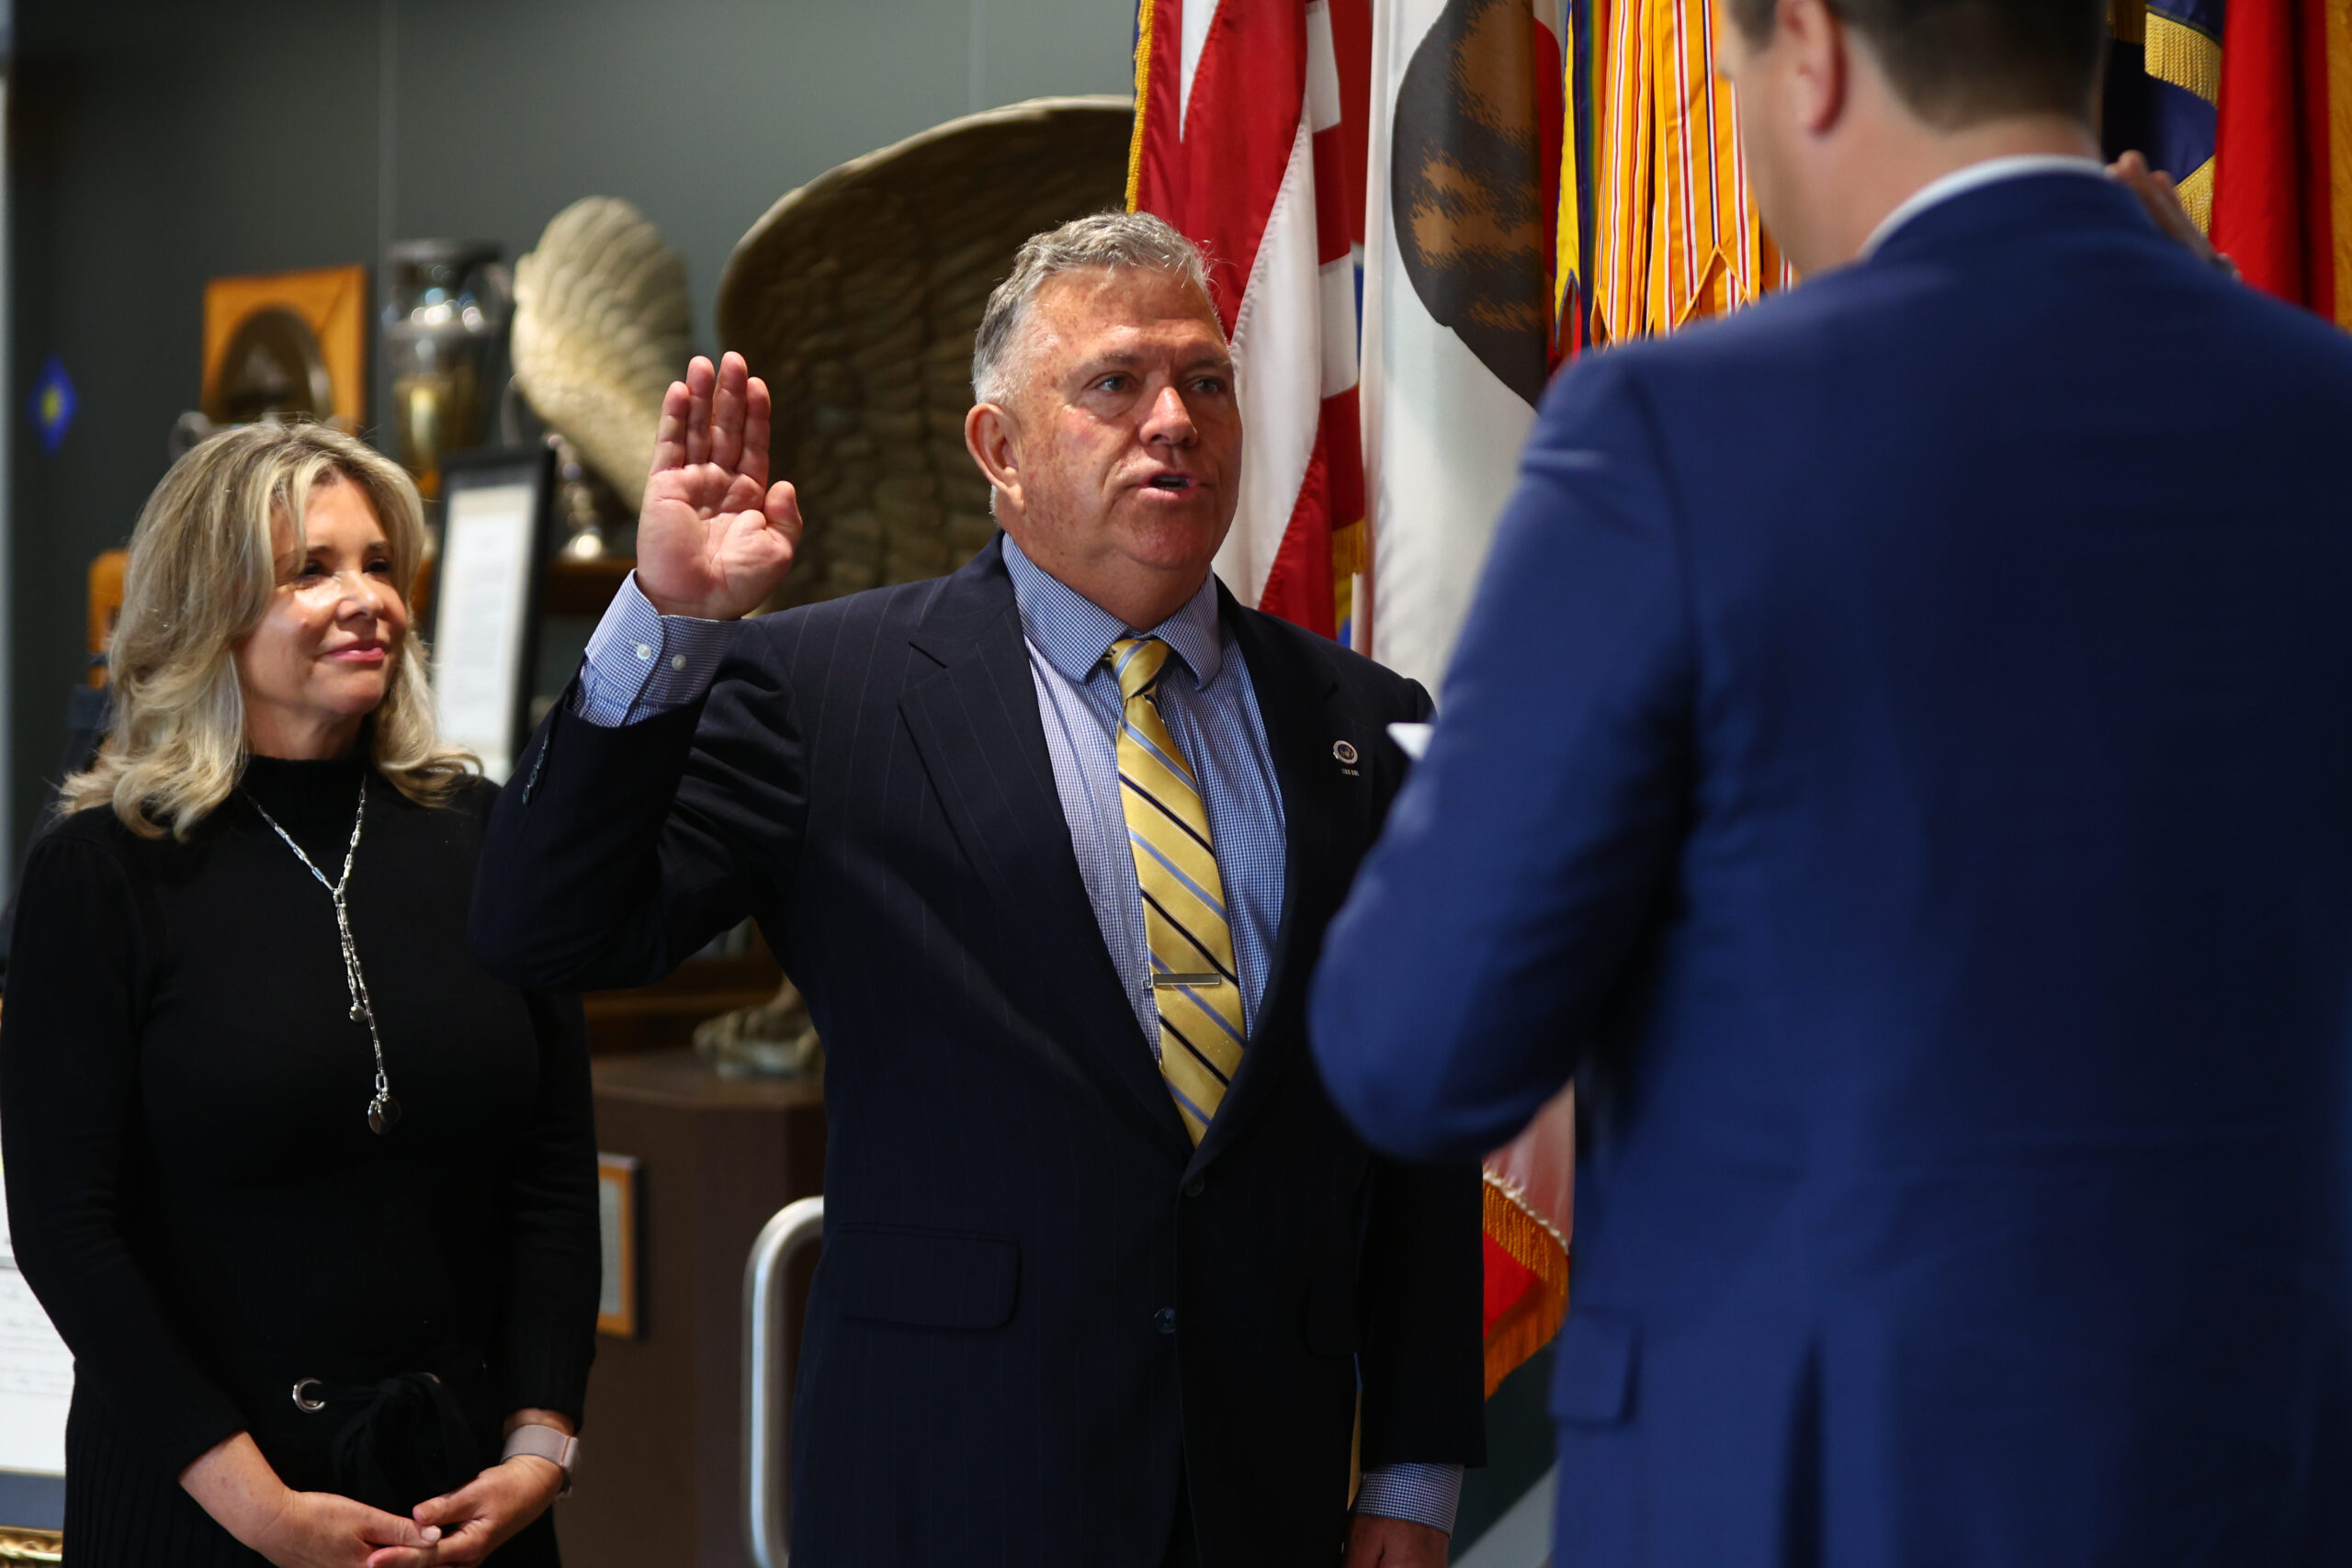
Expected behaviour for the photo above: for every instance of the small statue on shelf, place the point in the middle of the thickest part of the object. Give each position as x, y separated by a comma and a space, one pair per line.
596, 523
774, 1040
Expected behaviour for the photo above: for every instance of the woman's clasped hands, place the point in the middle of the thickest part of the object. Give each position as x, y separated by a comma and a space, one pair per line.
479, 1516
319, 1529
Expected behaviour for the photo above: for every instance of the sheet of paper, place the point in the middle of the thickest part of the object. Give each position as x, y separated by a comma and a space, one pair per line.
485, 584
36, 1375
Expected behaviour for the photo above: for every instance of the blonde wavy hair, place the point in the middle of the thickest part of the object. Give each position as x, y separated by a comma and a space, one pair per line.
203, 569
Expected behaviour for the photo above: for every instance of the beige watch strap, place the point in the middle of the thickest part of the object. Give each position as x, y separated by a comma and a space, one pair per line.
559, 1448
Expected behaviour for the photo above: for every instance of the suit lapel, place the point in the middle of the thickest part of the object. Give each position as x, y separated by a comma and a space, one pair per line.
975, 724
1324, 817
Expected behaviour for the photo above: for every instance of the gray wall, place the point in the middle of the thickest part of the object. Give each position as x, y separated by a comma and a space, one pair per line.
156, 143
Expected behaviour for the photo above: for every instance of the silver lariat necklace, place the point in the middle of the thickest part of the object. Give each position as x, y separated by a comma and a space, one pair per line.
383, 1111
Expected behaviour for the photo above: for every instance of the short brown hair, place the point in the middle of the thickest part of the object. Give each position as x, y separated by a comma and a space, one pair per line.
1956, 63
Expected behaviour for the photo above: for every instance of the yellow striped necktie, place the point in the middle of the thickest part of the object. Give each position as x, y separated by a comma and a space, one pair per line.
1202, 1030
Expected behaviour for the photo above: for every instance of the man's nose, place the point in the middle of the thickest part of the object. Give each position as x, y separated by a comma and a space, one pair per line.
1169, 420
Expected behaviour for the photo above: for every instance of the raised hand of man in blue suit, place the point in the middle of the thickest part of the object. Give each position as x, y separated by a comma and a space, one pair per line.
1899, 764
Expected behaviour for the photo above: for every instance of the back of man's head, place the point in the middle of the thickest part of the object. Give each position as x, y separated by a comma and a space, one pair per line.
1958, 63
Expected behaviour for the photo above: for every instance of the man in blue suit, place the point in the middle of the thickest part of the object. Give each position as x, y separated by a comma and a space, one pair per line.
1913, 799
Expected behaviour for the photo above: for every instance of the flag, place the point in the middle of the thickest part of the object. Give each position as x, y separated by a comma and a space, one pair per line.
2282, 159
1462, 203
1678, 235
2247, 104
1572, 227
1238, 144
2163, 82
1528, 1219
1467, 197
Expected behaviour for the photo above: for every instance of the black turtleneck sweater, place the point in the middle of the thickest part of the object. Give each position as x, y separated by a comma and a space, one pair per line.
193, 1187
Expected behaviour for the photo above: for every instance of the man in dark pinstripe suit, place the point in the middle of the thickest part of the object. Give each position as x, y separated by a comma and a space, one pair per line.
1049, 845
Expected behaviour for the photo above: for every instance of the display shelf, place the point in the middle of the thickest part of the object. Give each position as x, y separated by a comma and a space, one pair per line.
583, 587
662, 1016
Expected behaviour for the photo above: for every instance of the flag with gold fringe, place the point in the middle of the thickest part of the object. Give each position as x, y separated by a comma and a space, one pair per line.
2247, 104
1473, 208
1675, 230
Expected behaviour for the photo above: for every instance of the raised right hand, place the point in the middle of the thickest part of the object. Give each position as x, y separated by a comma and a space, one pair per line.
714, 538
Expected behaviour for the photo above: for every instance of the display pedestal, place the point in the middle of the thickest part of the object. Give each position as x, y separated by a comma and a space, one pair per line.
660, 1473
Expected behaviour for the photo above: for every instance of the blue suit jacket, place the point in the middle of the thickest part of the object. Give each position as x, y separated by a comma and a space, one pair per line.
1900, 763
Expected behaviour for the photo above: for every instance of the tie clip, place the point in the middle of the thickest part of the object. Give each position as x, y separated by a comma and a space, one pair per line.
1211, 978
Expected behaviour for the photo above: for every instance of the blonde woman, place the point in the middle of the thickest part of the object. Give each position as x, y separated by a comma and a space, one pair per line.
310, 1196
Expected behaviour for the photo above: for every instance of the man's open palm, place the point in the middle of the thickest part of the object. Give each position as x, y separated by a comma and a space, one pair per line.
714, 538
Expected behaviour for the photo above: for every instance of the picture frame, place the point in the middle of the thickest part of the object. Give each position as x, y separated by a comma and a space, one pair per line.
618, 1216
297, 341
487, 586
36, 1387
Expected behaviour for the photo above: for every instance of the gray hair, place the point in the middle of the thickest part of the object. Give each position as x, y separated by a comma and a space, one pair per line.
1104, 240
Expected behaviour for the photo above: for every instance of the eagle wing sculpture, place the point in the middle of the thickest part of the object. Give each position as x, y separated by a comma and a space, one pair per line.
602, 327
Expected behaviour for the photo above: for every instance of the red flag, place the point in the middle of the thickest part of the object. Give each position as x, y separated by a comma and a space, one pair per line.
1240, 142
1251, 121
2284, 159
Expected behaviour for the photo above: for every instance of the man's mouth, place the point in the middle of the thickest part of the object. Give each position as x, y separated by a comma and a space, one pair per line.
1171, 481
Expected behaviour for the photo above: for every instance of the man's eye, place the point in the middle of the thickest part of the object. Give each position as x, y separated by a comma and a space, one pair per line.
1213, 384
1111, 384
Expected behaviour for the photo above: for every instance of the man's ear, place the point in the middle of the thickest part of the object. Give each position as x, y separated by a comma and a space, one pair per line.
990, 436
1820, 63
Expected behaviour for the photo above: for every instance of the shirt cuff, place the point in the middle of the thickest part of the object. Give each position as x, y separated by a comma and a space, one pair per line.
641, 662
1418, 1494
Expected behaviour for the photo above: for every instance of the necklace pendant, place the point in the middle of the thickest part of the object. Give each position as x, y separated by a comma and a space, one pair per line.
383, 1115
356, 1016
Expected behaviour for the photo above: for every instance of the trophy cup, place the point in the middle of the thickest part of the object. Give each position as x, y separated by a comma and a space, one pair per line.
445, 333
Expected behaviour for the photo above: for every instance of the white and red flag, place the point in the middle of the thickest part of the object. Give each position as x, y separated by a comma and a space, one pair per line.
1459, 336
1252, 119
1241, 143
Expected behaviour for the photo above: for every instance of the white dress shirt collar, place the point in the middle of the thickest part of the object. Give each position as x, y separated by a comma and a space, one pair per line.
1975, 177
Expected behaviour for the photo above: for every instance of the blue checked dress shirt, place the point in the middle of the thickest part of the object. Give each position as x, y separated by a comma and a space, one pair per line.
641, 662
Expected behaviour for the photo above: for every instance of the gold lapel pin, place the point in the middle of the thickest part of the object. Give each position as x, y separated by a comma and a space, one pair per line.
1346, 752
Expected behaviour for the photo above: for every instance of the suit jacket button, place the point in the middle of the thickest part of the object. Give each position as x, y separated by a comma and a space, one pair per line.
1192, 1188
1164, 1320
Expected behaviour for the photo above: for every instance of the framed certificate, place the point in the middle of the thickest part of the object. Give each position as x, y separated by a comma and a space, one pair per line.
617, 1223
36, 1385
486, 598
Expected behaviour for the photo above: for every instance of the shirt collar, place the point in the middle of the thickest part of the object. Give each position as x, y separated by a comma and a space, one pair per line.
1073, 632
1975, 177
